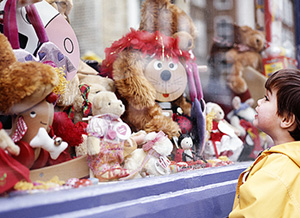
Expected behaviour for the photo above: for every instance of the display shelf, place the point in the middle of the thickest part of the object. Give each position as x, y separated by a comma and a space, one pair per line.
205, 192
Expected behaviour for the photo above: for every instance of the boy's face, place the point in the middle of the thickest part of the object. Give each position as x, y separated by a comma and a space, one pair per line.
267, 119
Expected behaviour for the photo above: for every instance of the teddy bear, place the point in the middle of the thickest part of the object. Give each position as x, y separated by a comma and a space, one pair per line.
246, 52
228, 58
106, 136
222, 137
162, 43
26, 94
151, 159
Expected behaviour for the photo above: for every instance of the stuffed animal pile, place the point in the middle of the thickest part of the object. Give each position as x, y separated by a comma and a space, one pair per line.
117, 115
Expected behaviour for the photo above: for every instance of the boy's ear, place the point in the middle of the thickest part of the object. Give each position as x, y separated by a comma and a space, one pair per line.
288, 122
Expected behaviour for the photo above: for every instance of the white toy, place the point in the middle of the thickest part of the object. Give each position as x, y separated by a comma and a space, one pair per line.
241, 111
152, 159
223, 138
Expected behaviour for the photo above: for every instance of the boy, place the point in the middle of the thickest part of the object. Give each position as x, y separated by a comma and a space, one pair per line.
270, 187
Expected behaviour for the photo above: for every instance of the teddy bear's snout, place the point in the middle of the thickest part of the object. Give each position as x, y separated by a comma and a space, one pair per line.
165, 75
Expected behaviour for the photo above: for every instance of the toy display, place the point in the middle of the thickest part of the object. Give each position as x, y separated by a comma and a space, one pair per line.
133, 110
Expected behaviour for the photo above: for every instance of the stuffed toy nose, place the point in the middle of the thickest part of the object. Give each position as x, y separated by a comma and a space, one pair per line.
165, 75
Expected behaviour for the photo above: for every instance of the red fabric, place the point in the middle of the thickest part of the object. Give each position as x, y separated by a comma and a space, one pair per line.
215, 134
11, 171
41, 161
26, 156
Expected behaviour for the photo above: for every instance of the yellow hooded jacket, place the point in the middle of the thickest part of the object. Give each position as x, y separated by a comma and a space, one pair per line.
270, 187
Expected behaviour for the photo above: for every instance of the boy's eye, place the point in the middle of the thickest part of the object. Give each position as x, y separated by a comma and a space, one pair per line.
266, 98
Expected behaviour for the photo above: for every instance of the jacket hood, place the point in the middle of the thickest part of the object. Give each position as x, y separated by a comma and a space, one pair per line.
291, 149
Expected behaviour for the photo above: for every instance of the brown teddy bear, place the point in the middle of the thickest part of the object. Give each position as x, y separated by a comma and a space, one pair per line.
229, 57
164, 28
246, 52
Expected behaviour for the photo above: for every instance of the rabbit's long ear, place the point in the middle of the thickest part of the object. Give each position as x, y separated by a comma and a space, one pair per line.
7, 56
156, 16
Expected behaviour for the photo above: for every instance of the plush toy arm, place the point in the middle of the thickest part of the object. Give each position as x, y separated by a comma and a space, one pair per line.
93, 145
128, 74
235, 121
6, 143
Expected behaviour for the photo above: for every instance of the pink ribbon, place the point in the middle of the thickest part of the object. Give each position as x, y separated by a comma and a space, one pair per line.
148, 146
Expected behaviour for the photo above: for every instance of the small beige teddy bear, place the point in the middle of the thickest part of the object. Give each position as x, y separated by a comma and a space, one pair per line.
106, 136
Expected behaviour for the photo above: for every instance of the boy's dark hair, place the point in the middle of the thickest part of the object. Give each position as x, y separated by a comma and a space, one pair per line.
287, 84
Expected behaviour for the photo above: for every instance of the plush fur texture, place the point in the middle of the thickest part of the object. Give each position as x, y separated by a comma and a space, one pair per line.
167, 18
22, 85
137, 93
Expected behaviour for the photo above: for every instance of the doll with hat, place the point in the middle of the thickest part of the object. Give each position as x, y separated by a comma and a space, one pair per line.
26, 95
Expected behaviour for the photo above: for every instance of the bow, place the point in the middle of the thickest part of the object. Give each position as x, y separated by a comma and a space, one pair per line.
86, 105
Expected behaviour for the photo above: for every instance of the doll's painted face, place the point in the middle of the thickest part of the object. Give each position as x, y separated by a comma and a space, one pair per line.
267, 118
186, 143
39, 116
167, 77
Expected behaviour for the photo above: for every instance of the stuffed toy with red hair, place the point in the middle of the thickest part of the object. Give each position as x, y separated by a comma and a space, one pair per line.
152, 65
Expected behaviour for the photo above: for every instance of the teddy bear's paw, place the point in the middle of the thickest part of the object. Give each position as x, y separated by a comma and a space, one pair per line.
165, 124
230, 56
237, 84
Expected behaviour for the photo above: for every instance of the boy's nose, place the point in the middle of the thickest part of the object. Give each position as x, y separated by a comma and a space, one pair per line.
259, 101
